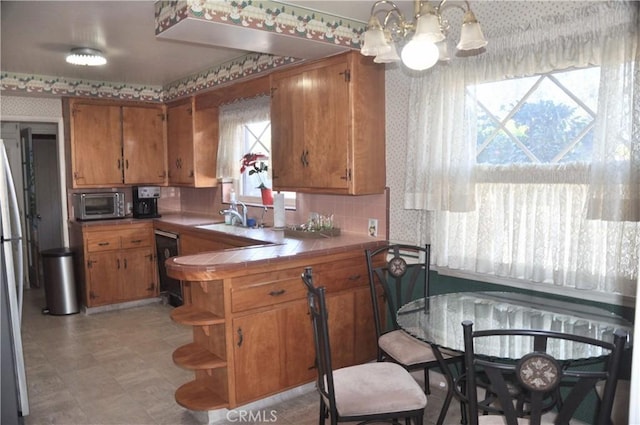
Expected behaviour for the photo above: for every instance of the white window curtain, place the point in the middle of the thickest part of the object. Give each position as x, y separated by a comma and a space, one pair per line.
536, 223
232, 118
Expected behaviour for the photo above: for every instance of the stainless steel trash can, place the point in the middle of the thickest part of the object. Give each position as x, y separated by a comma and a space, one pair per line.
59, 282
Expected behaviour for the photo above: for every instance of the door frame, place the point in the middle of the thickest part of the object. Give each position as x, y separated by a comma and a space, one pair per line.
61, 164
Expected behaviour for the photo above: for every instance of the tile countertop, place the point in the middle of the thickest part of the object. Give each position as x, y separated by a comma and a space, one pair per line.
272, 247
180, 219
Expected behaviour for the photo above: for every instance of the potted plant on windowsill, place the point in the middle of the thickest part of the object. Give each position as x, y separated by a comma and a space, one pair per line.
256, 164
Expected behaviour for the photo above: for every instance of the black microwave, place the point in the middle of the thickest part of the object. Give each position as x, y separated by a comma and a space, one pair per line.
98, 205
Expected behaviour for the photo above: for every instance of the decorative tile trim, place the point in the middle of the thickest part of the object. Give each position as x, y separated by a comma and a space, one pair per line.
251, 64
169, 13
248, 65
60, 86
264, 15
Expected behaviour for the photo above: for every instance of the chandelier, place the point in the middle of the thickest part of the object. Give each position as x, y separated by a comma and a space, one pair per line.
423, 41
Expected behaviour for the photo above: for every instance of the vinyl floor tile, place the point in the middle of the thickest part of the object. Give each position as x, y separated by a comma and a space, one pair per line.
115, 368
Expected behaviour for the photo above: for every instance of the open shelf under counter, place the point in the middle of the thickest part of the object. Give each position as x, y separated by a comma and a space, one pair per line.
188, 315
199, 395
193, 356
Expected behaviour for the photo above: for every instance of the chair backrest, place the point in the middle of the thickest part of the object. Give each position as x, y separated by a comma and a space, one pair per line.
403, 273
530, 386
319, 320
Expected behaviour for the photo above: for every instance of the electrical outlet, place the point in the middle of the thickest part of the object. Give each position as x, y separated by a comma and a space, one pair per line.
373, 227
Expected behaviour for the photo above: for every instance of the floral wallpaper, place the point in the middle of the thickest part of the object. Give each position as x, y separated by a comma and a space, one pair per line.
402, 222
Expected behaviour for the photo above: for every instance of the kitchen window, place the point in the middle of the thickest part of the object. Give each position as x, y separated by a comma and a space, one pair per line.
542, 119
525, 161
245, 127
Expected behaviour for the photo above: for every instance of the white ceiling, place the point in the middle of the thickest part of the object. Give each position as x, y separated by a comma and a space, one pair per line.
36, 35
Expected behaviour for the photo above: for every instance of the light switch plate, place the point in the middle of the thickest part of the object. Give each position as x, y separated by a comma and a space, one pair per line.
373, 227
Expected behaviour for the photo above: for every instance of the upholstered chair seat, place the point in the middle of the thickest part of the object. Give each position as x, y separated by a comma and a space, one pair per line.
407, 350
364, 393
375, 388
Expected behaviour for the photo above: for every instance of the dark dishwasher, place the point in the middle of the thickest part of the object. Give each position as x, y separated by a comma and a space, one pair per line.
167, 247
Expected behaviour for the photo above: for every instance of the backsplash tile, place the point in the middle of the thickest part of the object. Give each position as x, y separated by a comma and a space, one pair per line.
351, 213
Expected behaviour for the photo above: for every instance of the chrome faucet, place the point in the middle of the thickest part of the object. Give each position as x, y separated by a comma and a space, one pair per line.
235, 215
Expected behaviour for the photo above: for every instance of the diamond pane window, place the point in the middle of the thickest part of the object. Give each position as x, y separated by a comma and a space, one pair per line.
544, 119
257, 139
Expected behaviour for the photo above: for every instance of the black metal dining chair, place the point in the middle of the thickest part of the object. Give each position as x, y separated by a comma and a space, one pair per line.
537, 386
364, 392
402, 271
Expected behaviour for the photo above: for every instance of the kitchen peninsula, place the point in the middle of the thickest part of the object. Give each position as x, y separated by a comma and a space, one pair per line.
247, 305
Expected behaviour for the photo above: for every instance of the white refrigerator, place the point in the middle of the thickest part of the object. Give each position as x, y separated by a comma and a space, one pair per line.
15, 401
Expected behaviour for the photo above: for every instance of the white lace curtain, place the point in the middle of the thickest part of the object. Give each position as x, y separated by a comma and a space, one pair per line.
577, 227
232, 119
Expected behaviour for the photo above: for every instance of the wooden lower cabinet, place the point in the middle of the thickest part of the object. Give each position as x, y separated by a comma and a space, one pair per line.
264, 343
257, 354
196, 242
116, 262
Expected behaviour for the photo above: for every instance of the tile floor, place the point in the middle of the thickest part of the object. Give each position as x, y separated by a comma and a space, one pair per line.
115, 368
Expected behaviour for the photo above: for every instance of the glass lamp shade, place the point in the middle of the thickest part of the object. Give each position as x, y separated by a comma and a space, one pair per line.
443, 51
471, 36
420, 54
374, 42
389, 56
86, 57
428, 26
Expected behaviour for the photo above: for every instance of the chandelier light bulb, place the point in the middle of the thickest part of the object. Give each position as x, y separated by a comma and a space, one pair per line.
420, 54
429, 30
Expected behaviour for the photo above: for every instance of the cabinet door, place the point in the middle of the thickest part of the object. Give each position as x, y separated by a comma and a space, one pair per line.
310, 119
287, 131
299, 354
103, 278
366, 341
340, 308
190, 244
180, 144
143, 145
96, 143
257, 355
326, 127
138, 274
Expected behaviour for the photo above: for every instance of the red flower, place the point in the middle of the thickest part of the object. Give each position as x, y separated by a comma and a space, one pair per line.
255, 161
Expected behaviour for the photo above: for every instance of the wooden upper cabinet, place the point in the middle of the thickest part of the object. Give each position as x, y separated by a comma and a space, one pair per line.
96, 144
192, 143
143, 144
179, 142
112, 143
328, 126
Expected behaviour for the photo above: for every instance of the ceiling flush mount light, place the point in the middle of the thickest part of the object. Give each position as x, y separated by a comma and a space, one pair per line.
86, 56
424, 40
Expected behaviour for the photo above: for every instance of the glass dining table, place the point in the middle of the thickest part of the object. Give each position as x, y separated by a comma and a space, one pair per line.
437, 320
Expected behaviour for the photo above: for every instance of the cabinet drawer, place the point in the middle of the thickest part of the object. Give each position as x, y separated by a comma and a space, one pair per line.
102, 241
267, 293
135, 238
336, 278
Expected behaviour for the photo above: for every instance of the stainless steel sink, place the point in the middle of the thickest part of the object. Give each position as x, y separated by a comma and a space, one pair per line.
213, 226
